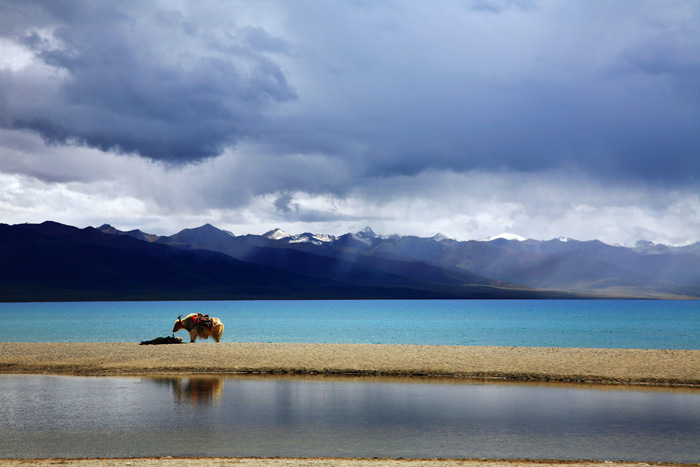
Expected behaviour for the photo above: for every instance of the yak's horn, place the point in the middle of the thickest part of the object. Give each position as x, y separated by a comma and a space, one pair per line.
179, 317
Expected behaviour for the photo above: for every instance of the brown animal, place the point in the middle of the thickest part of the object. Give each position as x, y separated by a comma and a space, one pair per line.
199, 325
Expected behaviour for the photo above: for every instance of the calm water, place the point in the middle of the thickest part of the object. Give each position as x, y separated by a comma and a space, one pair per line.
647, 324
53, 416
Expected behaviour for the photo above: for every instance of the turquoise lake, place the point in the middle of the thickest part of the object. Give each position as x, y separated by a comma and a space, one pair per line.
648, 324
54, 416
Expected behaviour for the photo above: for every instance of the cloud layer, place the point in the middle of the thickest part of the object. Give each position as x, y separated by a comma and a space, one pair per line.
136, 78
471, 118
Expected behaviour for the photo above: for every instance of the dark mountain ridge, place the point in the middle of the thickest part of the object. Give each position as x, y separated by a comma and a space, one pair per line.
567, 265
54, 262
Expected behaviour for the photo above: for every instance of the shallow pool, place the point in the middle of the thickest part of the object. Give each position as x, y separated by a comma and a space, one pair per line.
54, 416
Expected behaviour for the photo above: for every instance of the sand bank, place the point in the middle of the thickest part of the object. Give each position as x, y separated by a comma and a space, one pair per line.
608, 366
284, 462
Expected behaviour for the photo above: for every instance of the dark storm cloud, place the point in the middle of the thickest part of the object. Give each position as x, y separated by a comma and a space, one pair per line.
378, 89
669, 56
135, 79
282, 203
608, 90
644, 125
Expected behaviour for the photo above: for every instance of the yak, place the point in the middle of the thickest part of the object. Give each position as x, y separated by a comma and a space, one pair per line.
199, 325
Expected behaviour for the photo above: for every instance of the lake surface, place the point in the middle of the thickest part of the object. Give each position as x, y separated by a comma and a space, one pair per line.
649, 324
59, 416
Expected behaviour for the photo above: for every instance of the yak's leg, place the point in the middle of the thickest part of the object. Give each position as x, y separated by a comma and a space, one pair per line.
193, 335
217, 332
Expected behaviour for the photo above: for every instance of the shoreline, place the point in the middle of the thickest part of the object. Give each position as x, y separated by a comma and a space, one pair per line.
636, 367
629, 368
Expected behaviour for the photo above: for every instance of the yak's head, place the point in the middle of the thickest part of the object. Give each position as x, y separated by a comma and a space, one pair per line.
178, 324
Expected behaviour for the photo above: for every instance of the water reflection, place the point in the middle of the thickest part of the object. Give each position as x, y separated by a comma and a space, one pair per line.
50, 416
194, 390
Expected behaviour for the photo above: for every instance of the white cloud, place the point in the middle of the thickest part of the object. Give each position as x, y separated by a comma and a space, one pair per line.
13, 56
245, 189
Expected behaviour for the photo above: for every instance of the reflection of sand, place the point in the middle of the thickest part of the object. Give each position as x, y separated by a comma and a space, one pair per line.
621, 366
324, 462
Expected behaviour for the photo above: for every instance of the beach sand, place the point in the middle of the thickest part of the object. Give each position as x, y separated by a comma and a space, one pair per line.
602, 366
674, 368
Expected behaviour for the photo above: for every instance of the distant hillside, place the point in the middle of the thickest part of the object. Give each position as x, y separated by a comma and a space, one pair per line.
507, 261
55, 262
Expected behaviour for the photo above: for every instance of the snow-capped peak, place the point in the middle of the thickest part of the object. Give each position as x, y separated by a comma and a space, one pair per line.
276, 234
505, 236
307, 237
440, 237
301, 238
323, 238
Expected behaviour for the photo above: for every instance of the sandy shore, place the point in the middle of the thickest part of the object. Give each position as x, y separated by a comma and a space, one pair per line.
602, 366
282, 462
607, 366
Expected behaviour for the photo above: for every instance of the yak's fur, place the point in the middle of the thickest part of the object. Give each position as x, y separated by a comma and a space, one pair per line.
199, 330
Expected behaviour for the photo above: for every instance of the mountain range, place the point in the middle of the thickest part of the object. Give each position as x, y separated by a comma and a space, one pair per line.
54, 262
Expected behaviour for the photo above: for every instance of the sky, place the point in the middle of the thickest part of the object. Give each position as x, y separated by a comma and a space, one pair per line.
469, 118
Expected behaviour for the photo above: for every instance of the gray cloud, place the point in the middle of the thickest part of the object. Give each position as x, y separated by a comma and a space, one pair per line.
91, 187
528, 89
135, 79
283, 203
261, 111
392, 88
